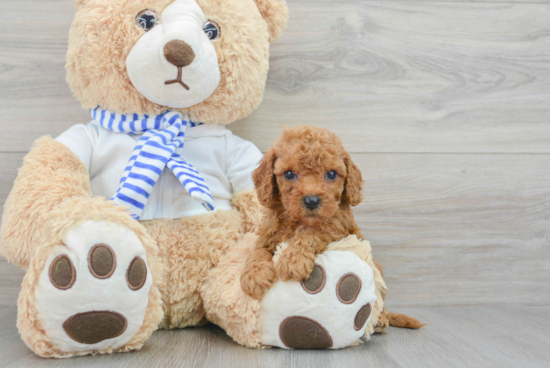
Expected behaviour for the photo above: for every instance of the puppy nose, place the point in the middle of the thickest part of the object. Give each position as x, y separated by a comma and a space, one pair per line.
311, 202
178, 53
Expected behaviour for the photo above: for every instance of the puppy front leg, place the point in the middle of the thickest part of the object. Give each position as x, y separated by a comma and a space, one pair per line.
258, 274
297, 261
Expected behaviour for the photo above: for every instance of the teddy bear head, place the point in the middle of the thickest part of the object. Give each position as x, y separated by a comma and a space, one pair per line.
206, 58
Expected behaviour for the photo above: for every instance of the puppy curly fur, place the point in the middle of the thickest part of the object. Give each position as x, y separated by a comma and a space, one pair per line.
310, 153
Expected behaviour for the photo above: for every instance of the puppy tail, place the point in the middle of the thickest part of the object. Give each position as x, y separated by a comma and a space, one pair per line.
402, 321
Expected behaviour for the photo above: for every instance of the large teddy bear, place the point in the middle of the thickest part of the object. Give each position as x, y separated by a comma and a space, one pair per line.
144, 217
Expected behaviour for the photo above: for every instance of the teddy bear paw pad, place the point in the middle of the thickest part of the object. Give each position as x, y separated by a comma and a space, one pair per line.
329, 310
94, 290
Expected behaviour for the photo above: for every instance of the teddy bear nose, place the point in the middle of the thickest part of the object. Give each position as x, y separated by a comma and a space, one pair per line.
311, 202
178, 53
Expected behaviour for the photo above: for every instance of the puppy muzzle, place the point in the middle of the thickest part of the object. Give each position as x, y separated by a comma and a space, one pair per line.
311, 202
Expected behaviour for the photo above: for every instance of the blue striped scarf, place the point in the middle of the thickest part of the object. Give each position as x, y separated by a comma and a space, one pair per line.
155, 150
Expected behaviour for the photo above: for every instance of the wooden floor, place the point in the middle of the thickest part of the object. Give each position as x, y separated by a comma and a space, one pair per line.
445, 106
456, 337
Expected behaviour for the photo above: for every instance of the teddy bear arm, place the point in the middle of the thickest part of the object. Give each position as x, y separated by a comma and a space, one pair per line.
242, 158
51, 174
250, 209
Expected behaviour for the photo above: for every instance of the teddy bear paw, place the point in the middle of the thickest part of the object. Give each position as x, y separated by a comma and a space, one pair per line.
331, 309
94, 290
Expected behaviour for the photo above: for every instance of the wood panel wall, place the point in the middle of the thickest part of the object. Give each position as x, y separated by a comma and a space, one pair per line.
445, 106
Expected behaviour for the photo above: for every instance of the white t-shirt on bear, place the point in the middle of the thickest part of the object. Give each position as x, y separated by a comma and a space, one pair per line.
224, 160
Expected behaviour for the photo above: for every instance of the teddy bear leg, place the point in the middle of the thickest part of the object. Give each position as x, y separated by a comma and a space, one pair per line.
189, 248
339, 303
225, 302
91, 287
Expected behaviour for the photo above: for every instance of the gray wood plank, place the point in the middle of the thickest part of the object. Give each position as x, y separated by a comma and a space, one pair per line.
455, 337
388, 76
13, 349
459, 229
34, 97
450, 229
10, 275
10, 283
412, 76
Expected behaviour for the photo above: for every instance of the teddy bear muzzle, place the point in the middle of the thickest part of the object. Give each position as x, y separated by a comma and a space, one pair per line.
179, 54
175, 64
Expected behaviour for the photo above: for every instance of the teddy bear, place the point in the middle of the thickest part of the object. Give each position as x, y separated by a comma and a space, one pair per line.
144, 218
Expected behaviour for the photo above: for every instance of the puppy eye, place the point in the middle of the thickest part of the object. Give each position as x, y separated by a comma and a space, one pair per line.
332, 175
212, 30
289, 175
147, 19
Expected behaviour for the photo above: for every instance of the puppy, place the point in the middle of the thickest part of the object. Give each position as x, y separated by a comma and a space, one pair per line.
309, 183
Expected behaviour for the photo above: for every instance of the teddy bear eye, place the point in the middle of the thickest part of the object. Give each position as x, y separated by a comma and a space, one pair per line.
289, 175
332, 175
212, 30
147, 19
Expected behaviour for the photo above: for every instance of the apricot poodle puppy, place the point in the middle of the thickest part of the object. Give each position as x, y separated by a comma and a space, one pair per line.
309, 183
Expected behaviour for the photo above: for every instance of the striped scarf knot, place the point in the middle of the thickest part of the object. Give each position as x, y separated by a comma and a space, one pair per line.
155, 150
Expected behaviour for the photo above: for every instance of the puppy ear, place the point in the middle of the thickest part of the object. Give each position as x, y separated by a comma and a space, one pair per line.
79, 3
353, 187
265, 182
275, 13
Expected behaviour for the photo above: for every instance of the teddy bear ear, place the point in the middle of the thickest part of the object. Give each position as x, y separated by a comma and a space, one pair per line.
79, 3
275, 13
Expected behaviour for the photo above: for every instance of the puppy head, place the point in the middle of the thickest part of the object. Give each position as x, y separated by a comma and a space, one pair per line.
309, 175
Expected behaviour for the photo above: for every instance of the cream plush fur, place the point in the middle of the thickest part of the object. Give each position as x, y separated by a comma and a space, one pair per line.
194, 262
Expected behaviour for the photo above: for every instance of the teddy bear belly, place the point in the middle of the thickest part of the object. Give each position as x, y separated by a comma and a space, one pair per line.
190, 247
168, 199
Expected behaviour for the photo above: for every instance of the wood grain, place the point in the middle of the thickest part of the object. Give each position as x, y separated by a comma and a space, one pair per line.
466, 229
455, 337
450, 229
10, 283
10, 275
446, 106
34, 97
412, 76
387, 76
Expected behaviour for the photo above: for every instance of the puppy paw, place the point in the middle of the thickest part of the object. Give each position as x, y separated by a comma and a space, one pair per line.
294, 265
257, 279
93, 292
329, 310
